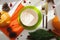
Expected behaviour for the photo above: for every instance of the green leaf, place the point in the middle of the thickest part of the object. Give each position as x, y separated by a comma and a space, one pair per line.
58, 38
41, 34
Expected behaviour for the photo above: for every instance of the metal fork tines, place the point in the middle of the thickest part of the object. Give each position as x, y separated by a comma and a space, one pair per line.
45, 11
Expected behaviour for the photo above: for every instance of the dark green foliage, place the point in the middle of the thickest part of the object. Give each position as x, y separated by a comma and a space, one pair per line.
41, 34
58, 38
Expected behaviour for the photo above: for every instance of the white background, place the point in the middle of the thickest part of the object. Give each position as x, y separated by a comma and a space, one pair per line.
25, 32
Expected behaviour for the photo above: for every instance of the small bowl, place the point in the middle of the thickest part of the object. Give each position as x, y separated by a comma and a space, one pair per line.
36, 24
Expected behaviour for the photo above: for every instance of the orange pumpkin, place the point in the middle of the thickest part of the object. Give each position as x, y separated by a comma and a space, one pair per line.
56, 25
4, 19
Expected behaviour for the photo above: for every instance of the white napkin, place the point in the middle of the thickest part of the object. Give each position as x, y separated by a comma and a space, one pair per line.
14, 7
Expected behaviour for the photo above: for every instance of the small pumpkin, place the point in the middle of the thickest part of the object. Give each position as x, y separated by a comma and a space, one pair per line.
56, 23
4, 19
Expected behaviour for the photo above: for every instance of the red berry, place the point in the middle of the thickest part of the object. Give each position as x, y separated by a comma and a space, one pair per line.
53, 6
24, 1
9, 29
12, 35
10, 4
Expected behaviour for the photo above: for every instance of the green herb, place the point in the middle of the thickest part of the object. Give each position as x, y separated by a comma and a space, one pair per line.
58, 38
40, 34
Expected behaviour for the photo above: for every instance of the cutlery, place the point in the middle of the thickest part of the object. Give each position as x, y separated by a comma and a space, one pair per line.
43, 21
46, 10
43, 11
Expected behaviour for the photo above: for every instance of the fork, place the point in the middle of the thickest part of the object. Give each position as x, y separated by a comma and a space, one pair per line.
46, 10
43, 11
